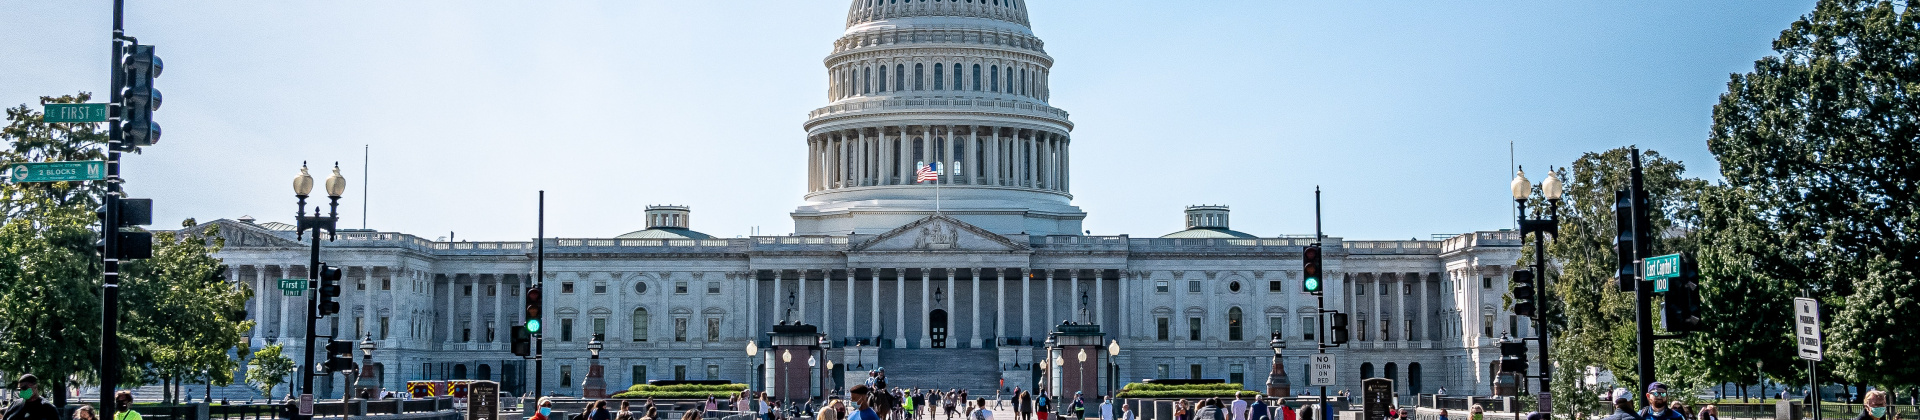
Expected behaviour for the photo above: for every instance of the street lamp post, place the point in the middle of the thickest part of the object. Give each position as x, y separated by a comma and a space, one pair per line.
753, 364
366, 368
1113, 367
302, 186
1551, 189
596, 382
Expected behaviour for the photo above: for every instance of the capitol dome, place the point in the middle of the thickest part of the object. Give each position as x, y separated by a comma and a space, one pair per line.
958, 84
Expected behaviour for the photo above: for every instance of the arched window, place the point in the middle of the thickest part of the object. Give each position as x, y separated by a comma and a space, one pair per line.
996, 79
919, 76
883, 79
1393, 372
1009, 80
1366, 370
957, 86
939, 77
1234, 325
640, 320
899, 77
1023, 82
866, 80
976, 78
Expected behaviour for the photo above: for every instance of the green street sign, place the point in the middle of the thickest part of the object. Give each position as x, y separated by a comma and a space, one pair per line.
84, 170
293, 287
1661, 268
75, 113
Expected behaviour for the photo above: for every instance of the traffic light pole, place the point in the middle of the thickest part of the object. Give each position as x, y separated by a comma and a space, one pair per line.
1539, 326
540, 281
1643, 293
1320, 308
109, 226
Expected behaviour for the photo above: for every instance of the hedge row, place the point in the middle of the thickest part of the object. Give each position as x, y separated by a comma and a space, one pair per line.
666, 395
688, 388
1141, 386
1185, 393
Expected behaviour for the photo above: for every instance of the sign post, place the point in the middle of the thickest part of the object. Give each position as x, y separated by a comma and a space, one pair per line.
1323, 366
80, 170
1806, 325
1661, 268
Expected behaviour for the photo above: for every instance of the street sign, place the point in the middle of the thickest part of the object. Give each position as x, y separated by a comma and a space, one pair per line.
292, 287
306, 404
1661, 268
1322, 374
1376, 396
75, 113
79, 170
1806, 325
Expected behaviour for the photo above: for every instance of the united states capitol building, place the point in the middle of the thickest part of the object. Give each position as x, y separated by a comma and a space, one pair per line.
958, 293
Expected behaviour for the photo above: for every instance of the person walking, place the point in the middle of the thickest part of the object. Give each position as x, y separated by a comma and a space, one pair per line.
1180, 411
545, 409
123, 402
862, 398
32, 405
85, 412
831, 411
1258, 410
1079, 407
626, 411
1239, 405
1657, 394
1106, 408
1710, 412
981, 413
1126, 412
712, 404
1876, 407
1622, 402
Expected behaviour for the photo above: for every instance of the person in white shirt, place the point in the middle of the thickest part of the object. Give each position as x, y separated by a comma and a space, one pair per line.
982, 413
1106, 408
1239, 406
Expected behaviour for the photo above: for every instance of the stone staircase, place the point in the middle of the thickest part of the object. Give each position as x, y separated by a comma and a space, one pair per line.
974, 370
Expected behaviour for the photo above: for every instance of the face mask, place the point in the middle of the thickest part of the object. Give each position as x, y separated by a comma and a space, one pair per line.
26, 393
546, 411
1476, 416
1658, 411
1878, 412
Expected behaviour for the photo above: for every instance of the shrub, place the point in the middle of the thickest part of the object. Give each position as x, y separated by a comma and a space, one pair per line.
1146, 390
681, 391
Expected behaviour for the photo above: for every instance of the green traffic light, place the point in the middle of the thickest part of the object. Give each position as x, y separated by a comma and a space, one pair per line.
533, 325
1312, 284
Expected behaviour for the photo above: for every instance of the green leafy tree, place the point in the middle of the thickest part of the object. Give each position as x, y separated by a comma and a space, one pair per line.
1824, 140
184, 319
268, 369
30, 139
1591, 322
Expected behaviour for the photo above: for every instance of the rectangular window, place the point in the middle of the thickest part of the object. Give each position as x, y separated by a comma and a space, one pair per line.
490, 338
1409, 331
1193, 286
1160, 286
566, 287
1308, 327
566, 376
1162, 371
1383, 290
679, 372
713, 288
680, 288
1275, 286
383, 328
679, 329
1386, 326
360, 284
1193, 328
1162, 321
566, 329
386, 283
1486, 282
1234, 330
1407, 289
713, 372
1193, 371
600, 327
599, 288
1277, 326
1360, 289
358, 323
1237, 374
639, 374
1361, 332
1486, 325
713, 329
467, 290
466, 332
493, 290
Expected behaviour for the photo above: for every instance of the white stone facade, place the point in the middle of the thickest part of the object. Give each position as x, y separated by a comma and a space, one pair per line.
877, 258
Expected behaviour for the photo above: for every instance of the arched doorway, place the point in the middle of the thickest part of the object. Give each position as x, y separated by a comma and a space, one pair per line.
1413, 378
1366, 370
485, 373
937, 321
459, 371
1393, 372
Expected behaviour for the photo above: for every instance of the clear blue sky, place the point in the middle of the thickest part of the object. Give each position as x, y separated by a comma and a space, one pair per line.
1401, 110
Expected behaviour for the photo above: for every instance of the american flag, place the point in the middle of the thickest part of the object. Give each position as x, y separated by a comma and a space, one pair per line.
928, 172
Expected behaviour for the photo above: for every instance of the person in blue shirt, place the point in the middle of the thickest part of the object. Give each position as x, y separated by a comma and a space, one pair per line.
1258, 410
1657, 394
862, 396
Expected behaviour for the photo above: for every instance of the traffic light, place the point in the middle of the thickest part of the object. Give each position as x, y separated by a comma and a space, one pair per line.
139, 99
130, 241
1623, 244
329, 290
522, 341
339, 356
1513, 356
1338, 331
1310, 269
533, 310
1681, 311
1523, 293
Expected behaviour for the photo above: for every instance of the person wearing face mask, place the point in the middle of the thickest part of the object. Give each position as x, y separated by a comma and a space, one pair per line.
545, 409
1477, 413
1877, 409
1710, 412
862, 397
1657, 394
123, 406
32, 405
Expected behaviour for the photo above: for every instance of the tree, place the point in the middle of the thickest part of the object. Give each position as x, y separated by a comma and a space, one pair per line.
1591, 322
1824, 139
30, 139
268, 369
182, 316
50, 273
